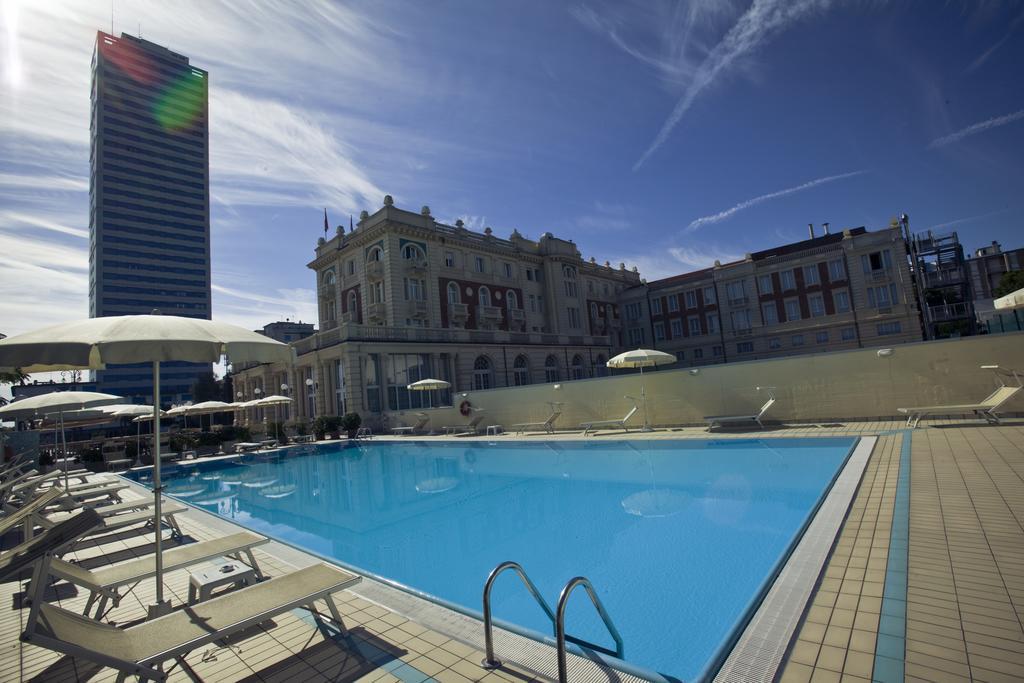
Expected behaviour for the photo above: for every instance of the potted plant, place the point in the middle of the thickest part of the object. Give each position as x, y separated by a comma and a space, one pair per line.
46, 461
350, 422
320, 428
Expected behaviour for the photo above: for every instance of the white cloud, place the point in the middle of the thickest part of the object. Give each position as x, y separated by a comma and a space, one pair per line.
981, 127
727, 213
253, 310
605, 217
18, 218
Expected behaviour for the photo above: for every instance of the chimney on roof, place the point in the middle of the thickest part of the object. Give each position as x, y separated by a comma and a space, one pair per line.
825, 226
810, 229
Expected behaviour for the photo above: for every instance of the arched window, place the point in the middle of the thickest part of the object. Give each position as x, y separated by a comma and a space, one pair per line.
353, 303
521, 371
551, 369
569, 275
411, 251
454, 296
484, 296
600, 366
483, 373
511, 300
568, 272
577, 366
376, 254
593, 311
329, 277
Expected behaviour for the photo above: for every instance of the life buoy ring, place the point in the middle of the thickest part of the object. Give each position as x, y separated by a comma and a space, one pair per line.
465, 408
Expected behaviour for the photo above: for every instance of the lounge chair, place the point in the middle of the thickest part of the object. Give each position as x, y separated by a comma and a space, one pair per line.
115, 455
621, 424
722, 420
986, 408
140, 650
470, 428
53, 542
121, 521
421, 421
547, 425
26, 512
105, 584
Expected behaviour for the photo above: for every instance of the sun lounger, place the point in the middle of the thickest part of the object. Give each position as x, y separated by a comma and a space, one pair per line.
105, 584
25, 513
122, 521
547, 425
721, 420
53, 542
986, 408
621, 424
468, 429
421, 421
139, 650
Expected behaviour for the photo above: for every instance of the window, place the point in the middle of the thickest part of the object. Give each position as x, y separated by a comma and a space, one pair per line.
709, 296
736, 292
569, 275
350, 267
882, 296
811, 275
673, 302
449, 259
636, 336
745, 347
659, 331
876, 261
577, 367
691, 299
590, 286
454, 296
633, 311
764, 284
415, 290
484, 296
716, 350
712, 320
694, 324
836, 270
537, 275
698, 354
371, 380
375, 254
377, 293
508, 270
774, 343
817, 305
329, 278
353, 303
483, 373
529, 274
511, 300
841, 300
411, 252
533, 303
677, 328
551, 369
402, 370
769, 313
797, 340
680, 356
848, 334
740, 320
821, 337
574, 317
478, 261
788, 280
893, 327
656, 306
520, 371
792, 309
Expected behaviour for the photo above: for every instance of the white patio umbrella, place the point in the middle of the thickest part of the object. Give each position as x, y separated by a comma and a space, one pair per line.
641, 358
136, 411
273, 400
428, 385
56, 402
96, 342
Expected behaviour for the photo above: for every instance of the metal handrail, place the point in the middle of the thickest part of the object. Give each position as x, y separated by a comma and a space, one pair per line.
490, 661
560, 636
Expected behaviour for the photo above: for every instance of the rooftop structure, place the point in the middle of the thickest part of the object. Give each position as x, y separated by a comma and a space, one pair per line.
287, 331
987, 267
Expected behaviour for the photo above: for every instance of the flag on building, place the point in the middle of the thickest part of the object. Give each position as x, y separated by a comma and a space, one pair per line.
325, 222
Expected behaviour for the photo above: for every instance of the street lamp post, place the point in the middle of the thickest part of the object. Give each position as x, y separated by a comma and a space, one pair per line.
311, 388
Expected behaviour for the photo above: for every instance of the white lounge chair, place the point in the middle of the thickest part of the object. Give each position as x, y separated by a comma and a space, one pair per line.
121, 521
986, 408
722, 420
105, 584
421, 421
621, 424
547, 425
470, 428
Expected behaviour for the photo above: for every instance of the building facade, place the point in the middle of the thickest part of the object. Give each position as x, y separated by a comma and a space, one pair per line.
149, 221
403, 297
988, 266
287, 331
842, 290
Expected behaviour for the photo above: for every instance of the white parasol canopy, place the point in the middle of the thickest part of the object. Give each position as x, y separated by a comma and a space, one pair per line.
428, 385
641, 358
1011, 300
97, 342
273, 400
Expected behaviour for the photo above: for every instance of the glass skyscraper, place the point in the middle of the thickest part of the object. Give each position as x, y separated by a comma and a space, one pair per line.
149, 192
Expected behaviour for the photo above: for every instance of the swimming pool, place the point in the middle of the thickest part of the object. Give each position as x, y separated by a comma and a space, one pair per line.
678, 537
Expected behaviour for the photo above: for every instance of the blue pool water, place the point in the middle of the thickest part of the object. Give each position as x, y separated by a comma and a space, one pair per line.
677, 537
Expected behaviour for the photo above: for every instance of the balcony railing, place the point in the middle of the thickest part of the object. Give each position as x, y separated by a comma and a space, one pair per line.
489, 312
375, 270
738, 301
328, 291
880, 275
377, 311
418, 309
417, 265
348, 317
458, 312
949, 311
517, 314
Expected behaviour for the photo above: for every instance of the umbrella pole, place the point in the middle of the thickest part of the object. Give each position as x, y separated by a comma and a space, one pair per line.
160, 607
643, 398
64, 448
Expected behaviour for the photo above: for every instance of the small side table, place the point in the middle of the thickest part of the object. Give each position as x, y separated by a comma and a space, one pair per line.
202, 584
494, 430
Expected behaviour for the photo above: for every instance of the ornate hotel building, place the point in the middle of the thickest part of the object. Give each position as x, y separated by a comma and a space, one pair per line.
842, 290
403, 297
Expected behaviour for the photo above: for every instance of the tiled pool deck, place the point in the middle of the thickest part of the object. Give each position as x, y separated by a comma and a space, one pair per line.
925, 582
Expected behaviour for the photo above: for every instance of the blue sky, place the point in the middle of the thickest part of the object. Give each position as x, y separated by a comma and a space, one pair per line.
664, 135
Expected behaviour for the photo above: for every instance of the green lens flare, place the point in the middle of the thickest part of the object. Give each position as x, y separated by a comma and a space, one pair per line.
181, 102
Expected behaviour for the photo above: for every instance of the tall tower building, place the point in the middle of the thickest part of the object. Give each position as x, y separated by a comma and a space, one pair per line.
149, 191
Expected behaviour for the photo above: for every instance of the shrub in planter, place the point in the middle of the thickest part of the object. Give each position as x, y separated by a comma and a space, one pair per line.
350, 422
299, 427
46, 460
328, 424
182, 442
275, 429
90, 454
209, 439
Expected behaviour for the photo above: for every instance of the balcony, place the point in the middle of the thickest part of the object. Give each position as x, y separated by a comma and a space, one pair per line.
950, 312
458, 313
738, 301
489, 313
517, 318
416, 265
349, 317
377, 312
328, 291
375, 270
615, 323
417, 309
880, 275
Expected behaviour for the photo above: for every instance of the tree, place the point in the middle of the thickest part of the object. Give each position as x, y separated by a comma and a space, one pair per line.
1010, 282
206, 388
14, 377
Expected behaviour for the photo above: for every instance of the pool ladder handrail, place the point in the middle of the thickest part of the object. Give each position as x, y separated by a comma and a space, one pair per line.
492, 662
